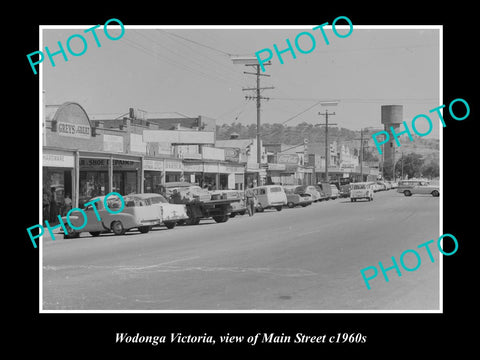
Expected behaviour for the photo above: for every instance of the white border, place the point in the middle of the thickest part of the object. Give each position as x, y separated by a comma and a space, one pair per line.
260, 27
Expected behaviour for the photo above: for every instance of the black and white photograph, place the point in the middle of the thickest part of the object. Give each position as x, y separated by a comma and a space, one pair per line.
205, 179
232, 168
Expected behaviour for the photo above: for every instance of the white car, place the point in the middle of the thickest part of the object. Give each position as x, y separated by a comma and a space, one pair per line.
169, 214
361, 190
423, 187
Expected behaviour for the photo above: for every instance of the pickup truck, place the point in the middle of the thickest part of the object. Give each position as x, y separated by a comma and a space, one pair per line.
200, 203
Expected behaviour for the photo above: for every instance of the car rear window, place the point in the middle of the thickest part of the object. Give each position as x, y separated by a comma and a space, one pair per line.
275, 189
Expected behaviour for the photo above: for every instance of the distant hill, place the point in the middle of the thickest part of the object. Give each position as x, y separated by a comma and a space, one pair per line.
315, 134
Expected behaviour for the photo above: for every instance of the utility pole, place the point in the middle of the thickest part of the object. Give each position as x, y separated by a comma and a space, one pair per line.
327, 155
361, 155
258, 98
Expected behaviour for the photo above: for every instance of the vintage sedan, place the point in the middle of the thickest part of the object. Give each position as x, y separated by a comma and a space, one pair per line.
137, 214
361, 190
310, 190
423, 187
169, 214
295, 199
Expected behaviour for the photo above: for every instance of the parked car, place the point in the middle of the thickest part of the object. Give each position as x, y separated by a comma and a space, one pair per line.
381, 186
388, 185
424, 187
169, 214
326, 188
323, 196
394, 184
361, 190
310, 190
270, 196
334, 192
238, 207
296, 199
344, 190
137, 214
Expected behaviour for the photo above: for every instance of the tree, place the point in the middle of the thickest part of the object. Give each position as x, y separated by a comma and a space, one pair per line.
412, 165
431, 170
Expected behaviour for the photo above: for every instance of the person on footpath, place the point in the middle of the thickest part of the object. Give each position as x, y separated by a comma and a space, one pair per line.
250, 200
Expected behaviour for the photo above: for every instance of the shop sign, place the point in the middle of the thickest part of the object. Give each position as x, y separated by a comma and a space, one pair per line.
58, 160
102, 164
172, 165
287, 159
211, 153
276, 167
112, 143
152, 165
232, 154
193, 167
226, 169
210, 168
74, 130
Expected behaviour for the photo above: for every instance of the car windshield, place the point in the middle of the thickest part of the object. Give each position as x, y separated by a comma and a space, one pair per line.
158, 199
358, 186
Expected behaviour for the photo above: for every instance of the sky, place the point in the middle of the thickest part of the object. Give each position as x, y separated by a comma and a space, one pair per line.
190, 72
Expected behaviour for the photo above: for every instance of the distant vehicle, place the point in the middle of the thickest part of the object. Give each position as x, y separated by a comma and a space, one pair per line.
394, 184
344, 190
423, 187
381, 185
361, 190
388, 185
295, 199
270, 196
321, 192
408, 184
137, 214
334, 192
326, 188
310, 190
375, 186
238, 207
169, 214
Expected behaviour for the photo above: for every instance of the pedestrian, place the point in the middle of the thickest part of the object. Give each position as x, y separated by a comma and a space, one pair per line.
250, 200
68, 204
53, 205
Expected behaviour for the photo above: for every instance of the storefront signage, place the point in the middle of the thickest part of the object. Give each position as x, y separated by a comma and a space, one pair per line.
276, 167
287, 159
102, 164
112, 143
74, 130
232, 154
172, 165
58, 160
212, 153
210, 168
193, 167
226, 169
152, 165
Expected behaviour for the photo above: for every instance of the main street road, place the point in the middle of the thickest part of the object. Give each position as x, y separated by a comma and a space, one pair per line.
296, 259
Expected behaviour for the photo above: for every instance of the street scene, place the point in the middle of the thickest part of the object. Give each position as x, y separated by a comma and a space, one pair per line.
181, 172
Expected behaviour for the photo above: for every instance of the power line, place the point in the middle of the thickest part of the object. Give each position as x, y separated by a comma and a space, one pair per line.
199, 44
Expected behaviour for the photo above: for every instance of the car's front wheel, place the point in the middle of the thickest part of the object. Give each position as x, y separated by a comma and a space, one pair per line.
407, 193
435, 193
290, 204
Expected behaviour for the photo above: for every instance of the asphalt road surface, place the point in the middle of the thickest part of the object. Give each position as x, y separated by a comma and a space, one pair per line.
296, 259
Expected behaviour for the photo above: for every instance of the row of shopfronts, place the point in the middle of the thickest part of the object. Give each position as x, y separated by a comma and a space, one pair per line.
88, 161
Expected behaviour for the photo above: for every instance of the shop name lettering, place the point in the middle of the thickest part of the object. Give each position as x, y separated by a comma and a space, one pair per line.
73, 129
69, 223
402, 262
415, 130
80, 42
301, 50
